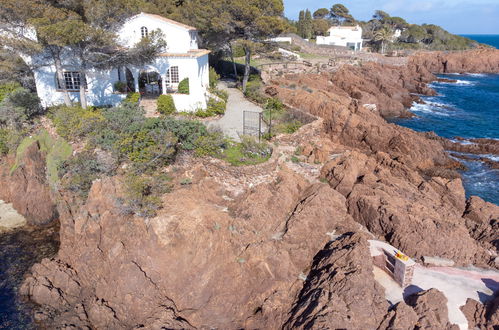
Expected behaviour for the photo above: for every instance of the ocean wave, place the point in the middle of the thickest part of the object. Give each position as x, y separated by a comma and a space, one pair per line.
476, 74
457, 82
463, 142
428, 108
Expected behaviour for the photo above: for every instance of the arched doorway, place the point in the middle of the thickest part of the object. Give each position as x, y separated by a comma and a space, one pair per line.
150, 83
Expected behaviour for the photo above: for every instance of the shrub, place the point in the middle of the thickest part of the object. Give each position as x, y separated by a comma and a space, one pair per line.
78, 173
289, 127
133, 98
75, 122
4, 141
254, 90
143, 194
248, 152
213, 108
120, 87
186, 131
211, 144
124, 118
214, 78
166, 106
216, 107
148, 149
7, 88
220, 93
56, 150
19, 107
183, 86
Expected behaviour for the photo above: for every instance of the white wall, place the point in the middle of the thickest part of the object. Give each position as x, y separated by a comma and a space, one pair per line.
178, 39
99, 88
342, 36
100, 83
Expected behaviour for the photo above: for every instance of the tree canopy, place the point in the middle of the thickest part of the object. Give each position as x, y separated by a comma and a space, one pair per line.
341, 15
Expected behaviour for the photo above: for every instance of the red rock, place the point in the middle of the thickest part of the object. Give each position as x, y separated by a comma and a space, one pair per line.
27, 188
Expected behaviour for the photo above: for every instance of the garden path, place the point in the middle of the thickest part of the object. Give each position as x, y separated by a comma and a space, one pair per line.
231, 123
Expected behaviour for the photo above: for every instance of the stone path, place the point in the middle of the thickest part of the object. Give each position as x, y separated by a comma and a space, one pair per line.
231, 123
150, 105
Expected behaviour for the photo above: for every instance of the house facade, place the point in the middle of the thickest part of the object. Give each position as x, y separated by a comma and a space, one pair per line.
345, 36
181, 59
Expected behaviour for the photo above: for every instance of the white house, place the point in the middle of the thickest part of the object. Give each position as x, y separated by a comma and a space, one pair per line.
346, 36
181, 59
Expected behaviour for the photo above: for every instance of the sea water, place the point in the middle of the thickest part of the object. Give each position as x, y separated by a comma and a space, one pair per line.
488, 39
468, 108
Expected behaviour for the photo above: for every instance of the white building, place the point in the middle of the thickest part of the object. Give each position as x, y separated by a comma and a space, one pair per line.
181, 59
346, 36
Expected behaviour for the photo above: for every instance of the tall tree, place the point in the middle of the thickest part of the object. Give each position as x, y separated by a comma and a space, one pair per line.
321, 26
300, 25
308, 25
341, 15
380, 15
383, 36
245, 21
321, 13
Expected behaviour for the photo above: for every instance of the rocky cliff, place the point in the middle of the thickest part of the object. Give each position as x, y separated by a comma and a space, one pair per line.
283, 244
24, 184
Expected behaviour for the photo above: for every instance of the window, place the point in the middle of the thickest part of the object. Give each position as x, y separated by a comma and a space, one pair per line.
72, 80
172, 76
144, 32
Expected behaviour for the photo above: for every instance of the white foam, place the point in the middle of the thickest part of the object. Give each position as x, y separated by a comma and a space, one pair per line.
457, 82
463, 142
428, 108
476, 74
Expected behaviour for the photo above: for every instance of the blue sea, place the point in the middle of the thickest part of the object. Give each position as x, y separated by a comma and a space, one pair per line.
488, 39
468, 109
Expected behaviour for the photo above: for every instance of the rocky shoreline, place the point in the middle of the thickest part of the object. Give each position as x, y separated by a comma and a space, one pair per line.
283, 244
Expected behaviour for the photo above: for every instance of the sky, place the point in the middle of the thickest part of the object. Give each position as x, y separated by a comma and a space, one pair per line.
456, 16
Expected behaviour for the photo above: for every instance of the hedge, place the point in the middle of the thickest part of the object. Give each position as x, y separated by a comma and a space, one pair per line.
166, 106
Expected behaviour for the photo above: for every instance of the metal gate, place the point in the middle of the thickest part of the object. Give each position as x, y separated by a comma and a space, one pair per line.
252, 123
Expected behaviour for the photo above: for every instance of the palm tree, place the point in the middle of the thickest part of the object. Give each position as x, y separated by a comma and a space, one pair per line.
383, 36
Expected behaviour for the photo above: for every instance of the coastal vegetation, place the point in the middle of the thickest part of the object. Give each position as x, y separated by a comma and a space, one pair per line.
381, 30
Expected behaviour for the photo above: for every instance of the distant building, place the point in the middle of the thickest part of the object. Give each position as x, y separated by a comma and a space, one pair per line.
346, 36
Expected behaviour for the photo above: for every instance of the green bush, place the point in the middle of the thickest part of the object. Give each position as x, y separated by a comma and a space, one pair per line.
124, 118
4, 141
19, 107
213, 108
183, 86
120, 87
214, 78
186, 131
220, 93
56, 150
248, 152
289, 127
73, 123
212, 144
7, 88
166, 106
133, 98
254, 90
148, 149
143, 194
78, 173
